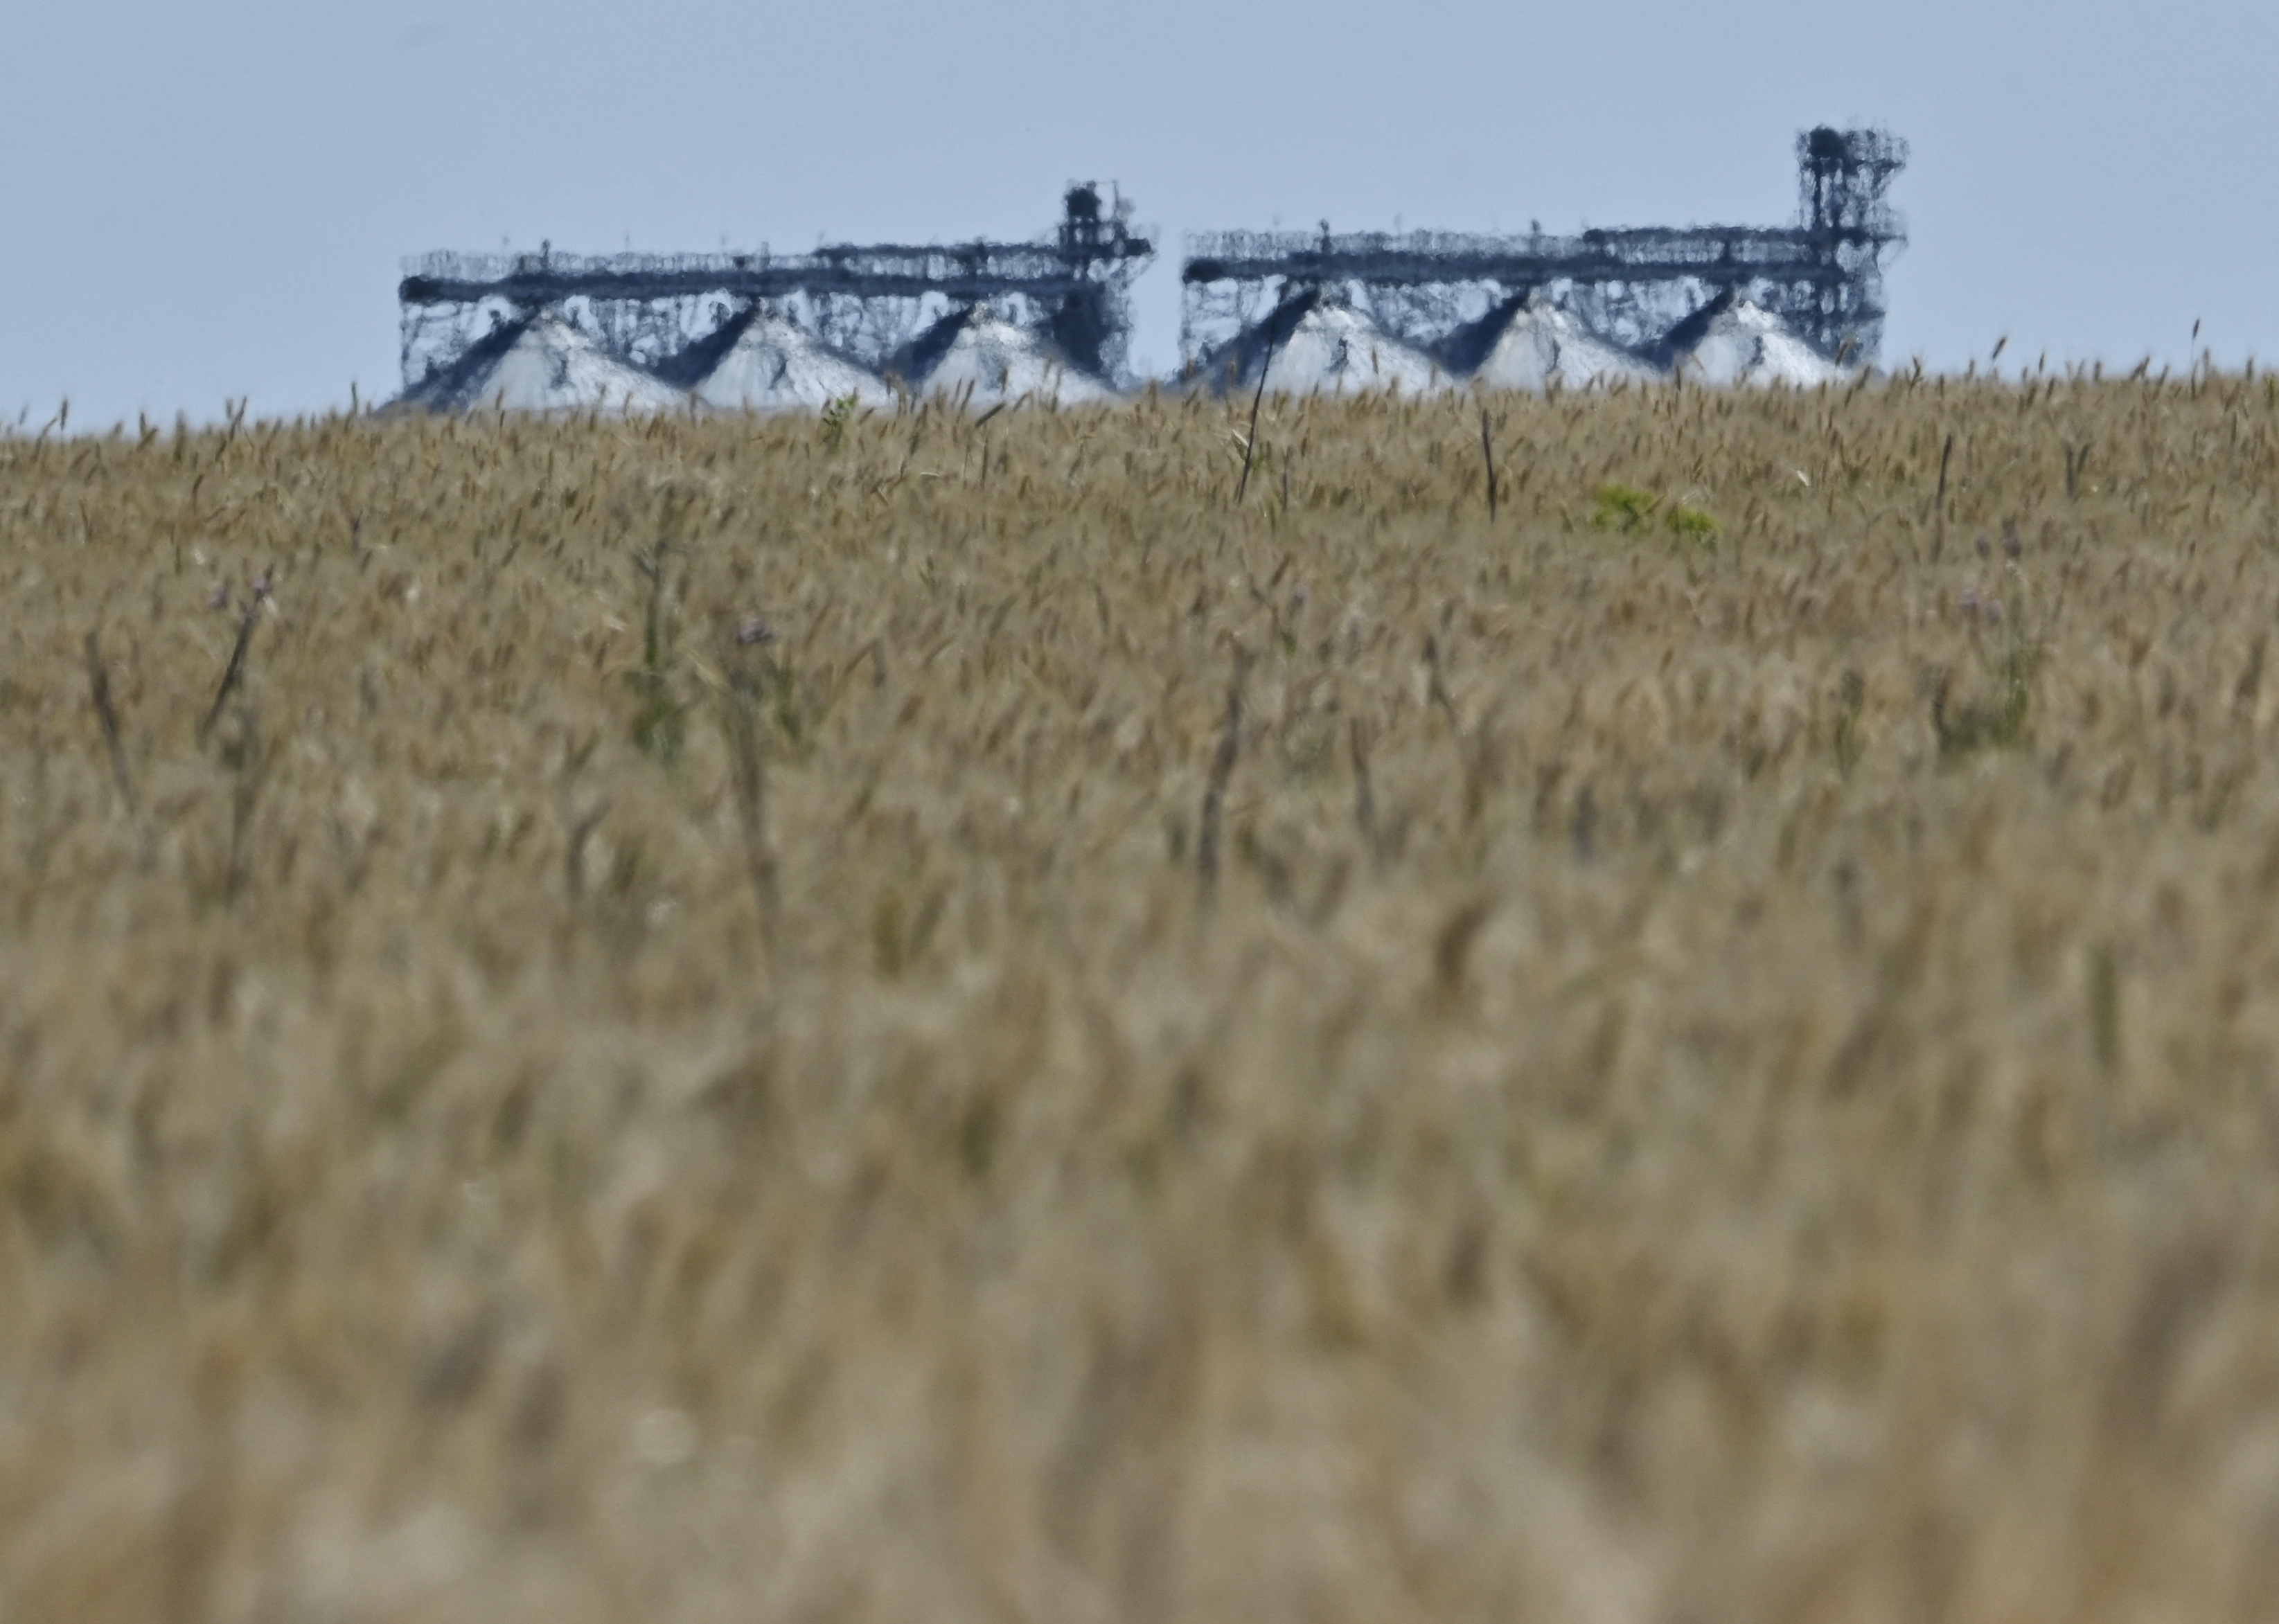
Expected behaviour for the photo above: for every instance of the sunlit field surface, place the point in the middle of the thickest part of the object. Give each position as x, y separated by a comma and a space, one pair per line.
920, 1018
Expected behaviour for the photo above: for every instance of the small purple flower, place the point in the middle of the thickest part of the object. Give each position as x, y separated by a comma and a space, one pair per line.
754, 630
2011, 544
261, 586
1994, 612
1970, 600
1982, 549
220, 598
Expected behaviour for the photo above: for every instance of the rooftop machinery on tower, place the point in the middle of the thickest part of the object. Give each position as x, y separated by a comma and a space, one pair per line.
1071, 288
1822, 276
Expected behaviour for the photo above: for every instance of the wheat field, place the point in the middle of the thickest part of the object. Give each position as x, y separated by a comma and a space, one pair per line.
1066, 1018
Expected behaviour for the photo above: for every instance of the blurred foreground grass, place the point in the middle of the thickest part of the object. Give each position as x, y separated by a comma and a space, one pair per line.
940, 1022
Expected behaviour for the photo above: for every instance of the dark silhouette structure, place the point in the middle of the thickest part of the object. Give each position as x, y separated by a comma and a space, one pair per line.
869, 303
1822, 275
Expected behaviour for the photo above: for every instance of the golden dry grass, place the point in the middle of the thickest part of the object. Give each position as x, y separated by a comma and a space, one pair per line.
1766, 1112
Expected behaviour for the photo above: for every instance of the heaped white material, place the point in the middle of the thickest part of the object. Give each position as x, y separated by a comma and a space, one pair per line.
1733, 341
543, 364
774, 366
986, 360
1541, 345
1323, 347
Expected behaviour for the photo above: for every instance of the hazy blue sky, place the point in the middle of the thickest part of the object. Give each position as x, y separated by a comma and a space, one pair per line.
202, 200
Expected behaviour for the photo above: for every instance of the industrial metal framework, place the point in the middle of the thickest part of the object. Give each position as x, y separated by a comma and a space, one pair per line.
869, 303
1822, 275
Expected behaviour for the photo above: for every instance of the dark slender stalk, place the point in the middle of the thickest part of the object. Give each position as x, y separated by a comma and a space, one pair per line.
1257, 398
1487, 452
98, 680
1938, 503
1436, 690
1365, 795
252, 772
235, 673
1222, 768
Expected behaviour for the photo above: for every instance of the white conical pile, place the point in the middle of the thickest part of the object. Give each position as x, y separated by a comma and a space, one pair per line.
542, 364
1541, 344
986, 360
773, 364
1325, 348
1733, 341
